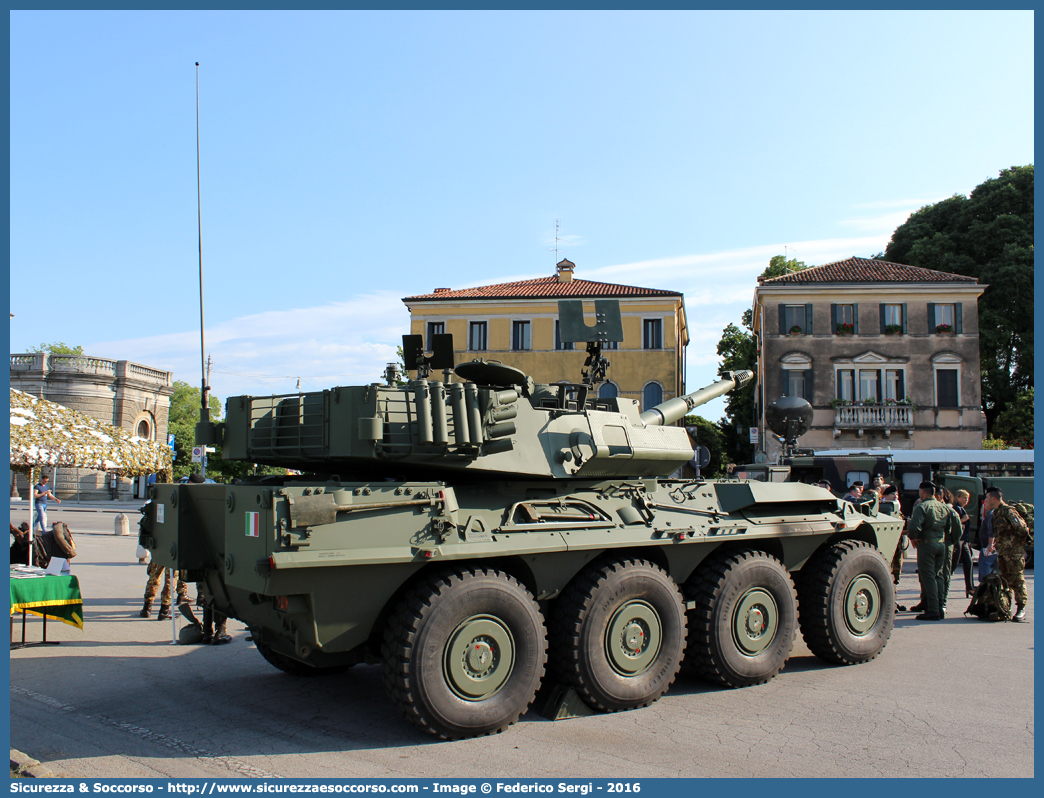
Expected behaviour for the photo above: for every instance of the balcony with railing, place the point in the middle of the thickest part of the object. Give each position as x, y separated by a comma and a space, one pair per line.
874, 417
38, 365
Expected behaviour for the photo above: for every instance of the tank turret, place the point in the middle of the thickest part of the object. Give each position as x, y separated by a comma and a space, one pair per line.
498, 421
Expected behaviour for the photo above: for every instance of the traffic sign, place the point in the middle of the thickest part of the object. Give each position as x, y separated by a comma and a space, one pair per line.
197, 454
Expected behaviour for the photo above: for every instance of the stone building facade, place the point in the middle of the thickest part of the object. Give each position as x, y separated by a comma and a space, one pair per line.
118, 392
517, 323
887, 355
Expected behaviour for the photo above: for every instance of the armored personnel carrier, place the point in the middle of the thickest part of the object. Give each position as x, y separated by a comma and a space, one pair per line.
480, 539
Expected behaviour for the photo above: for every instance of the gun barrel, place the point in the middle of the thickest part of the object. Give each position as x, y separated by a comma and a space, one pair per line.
674, 409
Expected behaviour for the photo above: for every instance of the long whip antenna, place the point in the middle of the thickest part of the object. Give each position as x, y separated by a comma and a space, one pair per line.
199, 220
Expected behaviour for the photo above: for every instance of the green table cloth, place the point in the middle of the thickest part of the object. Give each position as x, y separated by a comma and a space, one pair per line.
55, 597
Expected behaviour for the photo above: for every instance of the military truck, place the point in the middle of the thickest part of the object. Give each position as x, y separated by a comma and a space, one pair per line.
483, 538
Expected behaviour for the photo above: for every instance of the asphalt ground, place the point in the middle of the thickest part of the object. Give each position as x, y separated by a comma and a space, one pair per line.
949, 699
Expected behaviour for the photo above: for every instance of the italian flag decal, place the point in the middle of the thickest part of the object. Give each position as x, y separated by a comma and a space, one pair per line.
252, 524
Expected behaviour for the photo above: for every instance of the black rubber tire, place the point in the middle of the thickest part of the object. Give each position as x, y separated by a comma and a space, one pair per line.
431, 619
598, 599
827, 584
722, 587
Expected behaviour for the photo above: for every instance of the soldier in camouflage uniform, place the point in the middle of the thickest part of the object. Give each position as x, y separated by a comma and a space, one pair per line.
1011, 536
930, 527
156, 572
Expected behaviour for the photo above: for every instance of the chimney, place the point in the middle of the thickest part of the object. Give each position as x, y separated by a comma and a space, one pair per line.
565, 270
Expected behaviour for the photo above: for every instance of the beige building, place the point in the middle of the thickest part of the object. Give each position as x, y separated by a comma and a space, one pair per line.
517, 324
887, 355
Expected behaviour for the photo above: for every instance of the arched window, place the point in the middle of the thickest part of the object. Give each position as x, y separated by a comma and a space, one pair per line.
608, 391
652, 395
144, 426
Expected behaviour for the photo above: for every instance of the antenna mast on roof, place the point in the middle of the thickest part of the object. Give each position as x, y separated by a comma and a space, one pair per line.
556, 241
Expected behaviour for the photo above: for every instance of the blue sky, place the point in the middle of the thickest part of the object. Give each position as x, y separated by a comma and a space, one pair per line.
353, 158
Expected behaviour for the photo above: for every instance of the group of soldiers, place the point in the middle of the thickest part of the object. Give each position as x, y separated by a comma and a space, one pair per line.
935, 529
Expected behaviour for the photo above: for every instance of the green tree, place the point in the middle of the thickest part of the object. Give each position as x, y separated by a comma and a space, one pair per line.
987, 235
57, 348
710, 435
1015, 424
779, 265
738, 350
181, 423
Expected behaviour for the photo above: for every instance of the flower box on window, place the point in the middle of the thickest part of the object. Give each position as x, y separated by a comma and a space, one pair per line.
795, 330
845, 329
943, 328
893, 329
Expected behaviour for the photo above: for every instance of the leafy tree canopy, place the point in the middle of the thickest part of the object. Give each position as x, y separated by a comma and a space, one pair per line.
779, 265
1015, 424
987, 235
710, 435
181, 423
57, 348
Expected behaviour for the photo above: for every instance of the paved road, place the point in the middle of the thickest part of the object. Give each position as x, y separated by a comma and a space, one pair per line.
117, 699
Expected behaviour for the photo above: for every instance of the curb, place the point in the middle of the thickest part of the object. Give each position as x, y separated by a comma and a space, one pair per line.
24, 766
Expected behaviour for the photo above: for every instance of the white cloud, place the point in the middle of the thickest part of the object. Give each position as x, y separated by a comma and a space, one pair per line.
341, 343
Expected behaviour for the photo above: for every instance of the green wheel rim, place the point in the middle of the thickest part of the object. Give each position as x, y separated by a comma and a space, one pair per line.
862, 605
633, 638
754, 621
479, 657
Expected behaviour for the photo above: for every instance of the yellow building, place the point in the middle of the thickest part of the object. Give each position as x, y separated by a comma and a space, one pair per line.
517, 324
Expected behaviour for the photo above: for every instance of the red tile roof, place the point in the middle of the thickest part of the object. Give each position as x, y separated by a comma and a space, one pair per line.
541, 288
865, 270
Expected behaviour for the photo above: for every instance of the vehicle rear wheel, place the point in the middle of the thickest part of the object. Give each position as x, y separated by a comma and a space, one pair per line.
742, 629
847, 603
618, 634
464, 653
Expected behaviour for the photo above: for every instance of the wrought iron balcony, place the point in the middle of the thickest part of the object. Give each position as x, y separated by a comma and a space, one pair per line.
873, 417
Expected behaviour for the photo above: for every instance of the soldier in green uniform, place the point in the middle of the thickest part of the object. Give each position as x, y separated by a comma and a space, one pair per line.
944, 496
930, 526
1012, 534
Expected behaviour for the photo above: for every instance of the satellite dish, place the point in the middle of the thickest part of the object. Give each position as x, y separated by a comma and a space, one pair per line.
789, 417
702, 456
